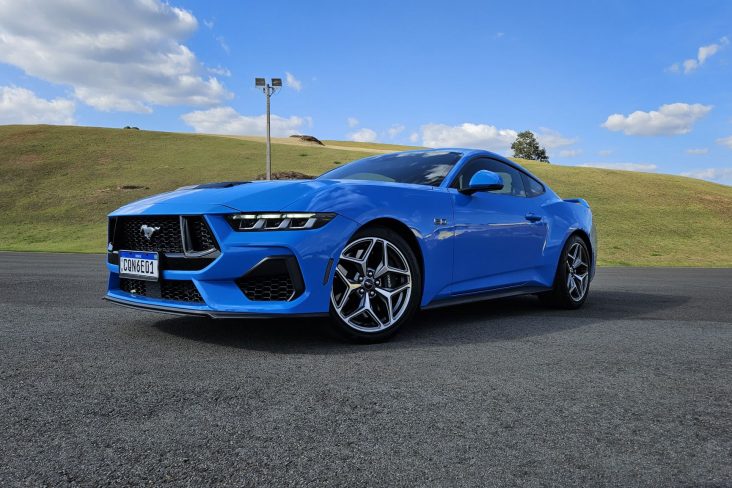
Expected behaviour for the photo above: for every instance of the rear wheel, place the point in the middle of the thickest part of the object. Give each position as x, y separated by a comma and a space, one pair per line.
376, 287
572, 281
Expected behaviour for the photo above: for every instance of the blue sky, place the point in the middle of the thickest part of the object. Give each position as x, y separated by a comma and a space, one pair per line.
635, 85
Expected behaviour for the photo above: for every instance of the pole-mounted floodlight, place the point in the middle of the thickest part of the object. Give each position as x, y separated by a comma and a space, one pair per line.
268, 89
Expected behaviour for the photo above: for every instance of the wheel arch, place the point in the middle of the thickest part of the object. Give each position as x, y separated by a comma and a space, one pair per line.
405, 232
588, 242
585, 237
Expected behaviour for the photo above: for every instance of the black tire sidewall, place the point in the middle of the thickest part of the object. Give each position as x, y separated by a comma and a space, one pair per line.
414, 300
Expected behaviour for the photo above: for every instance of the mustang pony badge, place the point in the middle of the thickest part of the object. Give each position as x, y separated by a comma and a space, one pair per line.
148, 231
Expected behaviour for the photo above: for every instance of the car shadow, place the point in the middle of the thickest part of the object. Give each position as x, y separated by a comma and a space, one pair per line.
497, 320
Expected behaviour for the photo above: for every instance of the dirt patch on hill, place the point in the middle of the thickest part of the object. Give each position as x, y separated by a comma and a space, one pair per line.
285, 175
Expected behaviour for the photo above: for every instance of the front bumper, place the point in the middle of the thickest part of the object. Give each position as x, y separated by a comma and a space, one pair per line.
218, 284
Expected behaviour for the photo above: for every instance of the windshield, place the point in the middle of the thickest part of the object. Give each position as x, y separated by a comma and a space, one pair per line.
420, 168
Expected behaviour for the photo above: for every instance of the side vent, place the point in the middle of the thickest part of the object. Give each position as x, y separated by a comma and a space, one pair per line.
274, 279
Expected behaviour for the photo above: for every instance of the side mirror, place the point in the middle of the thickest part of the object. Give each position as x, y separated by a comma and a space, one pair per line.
483, 180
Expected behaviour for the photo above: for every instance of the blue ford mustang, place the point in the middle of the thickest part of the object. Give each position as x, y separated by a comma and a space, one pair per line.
367, 243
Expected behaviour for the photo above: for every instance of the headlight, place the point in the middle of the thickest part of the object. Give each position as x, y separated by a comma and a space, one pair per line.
279, 221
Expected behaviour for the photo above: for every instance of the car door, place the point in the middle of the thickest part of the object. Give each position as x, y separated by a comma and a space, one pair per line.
499, 235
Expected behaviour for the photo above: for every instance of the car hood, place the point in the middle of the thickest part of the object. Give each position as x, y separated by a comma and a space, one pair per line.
256, 196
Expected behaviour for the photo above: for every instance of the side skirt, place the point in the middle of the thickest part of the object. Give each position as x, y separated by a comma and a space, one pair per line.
486, 295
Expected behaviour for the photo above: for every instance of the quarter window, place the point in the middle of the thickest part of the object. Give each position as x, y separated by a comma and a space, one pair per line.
513, 183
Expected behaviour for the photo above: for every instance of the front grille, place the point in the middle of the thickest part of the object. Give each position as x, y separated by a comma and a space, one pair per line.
274, 279
167, 237
174, 290
180, 291
278, 288
128, 234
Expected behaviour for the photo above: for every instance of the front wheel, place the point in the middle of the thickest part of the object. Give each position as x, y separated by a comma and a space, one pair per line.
572, 281
377, 286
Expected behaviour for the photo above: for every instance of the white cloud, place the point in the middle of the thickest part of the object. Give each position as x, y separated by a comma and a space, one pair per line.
293, 82
209, 23
395, 130
552, 139
623, 166
605, 152
485, 136
698, 151
226, 120
669, 119
725, 141
481, 136
718, 175
21, 106
222, 42
703, 53
219, 70
363, 135
116, 55
499, 35
570, 153
414, 137
352, 122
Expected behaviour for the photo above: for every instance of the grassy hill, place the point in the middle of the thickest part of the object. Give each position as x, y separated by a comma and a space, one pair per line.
58, 183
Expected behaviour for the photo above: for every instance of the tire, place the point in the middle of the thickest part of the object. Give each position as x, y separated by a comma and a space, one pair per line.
572, 280
372, 297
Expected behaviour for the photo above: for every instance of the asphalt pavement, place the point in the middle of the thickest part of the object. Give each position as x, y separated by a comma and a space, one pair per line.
635, 389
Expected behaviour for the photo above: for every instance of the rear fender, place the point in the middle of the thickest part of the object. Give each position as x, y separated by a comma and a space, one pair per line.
569, 216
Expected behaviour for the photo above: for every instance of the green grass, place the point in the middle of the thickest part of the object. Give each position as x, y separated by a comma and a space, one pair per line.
58, 183
650, 219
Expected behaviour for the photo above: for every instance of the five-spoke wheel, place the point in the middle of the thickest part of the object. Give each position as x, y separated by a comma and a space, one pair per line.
375, 284
572, 280
578, 271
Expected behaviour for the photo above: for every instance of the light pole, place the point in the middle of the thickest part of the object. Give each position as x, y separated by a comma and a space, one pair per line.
268, 89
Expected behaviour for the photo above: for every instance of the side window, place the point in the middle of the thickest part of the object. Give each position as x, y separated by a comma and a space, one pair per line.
513, 184
470, 168
533, 187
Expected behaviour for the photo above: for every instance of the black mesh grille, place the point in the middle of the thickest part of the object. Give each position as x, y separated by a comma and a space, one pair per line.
167, 238
267, 288
180, 290
174, 290
201, 237
274, 279
138, 287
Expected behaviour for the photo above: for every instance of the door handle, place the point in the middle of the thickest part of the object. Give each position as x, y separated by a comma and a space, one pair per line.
532, 217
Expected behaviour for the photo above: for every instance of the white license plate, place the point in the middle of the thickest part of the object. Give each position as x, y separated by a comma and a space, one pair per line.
139, 264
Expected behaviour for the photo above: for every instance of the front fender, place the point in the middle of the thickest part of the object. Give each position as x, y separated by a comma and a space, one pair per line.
415, 206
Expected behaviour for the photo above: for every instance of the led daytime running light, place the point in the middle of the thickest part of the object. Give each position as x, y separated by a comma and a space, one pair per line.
279, 221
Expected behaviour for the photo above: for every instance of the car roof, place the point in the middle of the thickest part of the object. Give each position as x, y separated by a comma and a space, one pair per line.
465, 155
464, 152
468, 153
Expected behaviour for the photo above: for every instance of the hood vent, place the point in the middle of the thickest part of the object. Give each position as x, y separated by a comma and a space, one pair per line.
222, 184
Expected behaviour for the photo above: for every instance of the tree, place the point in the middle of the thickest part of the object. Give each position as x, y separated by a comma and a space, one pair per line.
526, 147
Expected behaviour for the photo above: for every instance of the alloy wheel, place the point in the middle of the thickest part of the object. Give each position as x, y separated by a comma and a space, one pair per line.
372, 284
577, 271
